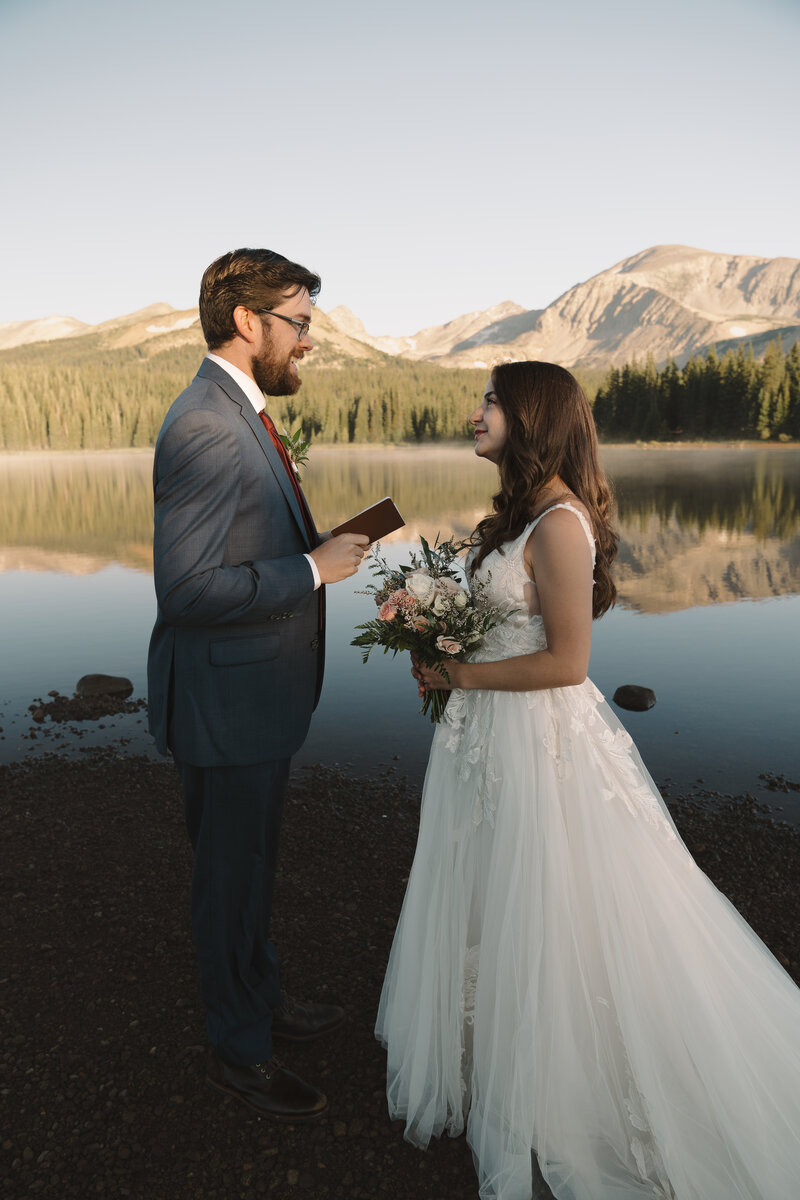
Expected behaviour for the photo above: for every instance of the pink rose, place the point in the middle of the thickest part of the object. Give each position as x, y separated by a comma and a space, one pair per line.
448, 645
421, 624
387, 611
402, 599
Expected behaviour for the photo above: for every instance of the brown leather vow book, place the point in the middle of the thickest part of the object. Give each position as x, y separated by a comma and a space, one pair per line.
375, 521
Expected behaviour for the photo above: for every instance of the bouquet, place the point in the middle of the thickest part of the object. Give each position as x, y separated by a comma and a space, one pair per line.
425, 608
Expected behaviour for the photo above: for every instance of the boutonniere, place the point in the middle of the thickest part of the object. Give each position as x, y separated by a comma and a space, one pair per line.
296, 448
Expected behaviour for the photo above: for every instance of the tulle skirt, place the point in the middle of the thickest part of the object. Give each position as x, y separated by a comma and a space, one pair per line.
567, 985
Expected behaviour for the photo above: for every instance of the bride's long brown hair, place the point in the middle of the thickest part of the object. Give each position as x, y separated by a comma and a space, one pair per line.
550, 431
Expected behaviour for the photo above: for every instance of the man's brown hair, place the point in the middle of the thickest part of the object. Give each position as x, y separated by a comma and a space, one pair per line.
255, 278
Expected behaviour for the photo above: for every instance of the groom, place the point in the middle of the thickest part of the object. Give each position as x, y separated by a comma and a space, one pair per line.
236, 655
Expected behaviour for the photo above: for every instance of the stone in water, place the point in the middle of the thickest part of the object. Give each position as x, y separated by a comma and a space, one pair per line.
103, 685
634, 698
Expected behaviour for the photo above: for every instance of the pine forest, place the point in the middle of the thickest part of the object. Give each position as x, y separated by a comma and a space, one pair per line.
62, 396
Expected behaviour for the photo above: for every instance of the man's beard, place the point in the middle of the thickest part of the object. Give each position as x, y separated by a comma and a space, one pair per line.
275, 378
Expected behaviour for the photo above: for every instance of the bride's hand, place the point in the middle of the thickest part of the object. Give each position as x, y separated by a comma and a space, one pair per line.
432, 679
416, 666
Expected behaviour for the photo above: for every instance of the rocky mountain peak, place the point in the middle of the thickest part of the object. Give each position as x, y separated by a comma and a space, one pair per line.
346, 320
667, 300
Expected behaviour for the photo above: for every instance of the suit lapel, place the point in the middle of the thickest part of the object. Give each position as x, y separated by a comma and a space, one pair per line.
210, 370
279, 470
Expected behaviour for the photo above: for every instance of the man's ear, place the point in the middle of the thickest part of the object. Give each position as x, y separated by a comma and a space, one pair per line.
248, 325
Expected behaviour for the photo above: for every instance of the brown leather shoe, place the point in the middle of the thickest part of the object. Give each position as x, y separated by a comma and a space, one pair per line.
299, 1021
269, 1089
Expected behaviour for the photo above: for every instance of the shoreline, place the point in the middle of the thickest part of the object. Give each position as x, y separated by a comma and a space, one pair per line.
117, 750
57, 725
104, 1034
432, 448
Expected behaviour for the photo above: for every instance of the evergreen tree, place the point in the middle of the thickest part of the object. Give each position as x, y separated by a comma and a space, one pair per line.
63, 396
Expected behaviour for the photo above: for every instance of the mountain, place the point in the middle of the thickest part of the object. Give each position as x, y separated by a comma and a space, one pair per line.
666, 301
155, 322
501, 322
156, 329
129, 330
788, 334
41, 329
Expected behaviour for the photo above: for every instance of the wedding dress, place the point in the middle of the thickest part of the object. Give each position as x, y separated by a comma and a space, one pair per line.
564, 980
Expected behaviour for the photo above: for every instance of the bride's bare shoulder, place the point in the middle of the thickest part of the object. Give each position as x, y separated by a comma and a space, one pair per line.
559, 529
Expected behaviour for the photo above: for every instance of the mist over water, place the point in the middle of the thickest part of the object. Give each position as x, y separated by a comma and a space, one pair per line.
708, 574
736, 510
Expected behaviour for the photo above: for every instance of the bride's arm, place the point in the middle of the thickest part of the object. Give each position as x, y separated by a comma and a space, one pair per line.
562, 565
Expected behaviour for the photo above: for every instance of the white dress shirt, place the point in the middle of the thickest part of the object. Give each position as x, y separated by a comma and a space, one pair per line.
256, 398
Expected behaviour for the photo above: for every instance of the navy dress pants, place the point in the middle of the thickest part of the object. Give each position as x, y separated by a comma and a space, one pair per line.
233, 818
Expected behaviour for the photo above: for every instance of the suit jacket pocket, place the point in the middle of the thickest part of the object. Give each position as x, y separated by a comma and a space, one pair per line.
238, 651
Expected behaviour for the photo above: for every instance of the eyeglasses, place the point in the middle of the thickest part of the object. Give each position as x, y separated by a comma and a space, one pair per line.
302, 327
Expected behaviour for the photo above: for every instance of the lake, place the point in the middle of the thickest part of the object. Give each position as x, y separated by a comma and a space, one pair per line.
708, 613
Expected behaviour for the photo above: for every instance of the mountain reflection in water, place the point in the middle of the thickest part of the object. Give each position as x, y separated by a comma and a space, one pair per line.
698, 526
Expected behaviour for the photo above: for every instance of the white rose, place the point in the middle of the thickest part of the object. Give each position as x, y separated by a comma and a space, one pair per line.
441, 605
460, 599
421, 587
447, 586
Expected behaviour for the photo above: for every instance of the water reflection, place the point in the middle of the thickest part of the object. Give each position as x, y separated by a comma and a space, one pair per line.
76, 513
698, 526
705, 526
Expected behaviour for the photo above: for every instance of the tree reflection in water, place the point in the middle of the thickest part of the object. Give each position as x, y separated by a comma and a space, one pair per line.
699, 526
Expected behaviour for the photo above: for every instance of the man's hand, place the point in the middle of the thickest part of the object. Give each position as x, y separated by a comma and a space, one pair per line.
340, 556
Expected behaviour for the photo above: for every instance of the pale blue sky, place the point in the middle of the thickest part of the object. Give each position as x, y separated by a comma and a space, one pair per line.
427, 159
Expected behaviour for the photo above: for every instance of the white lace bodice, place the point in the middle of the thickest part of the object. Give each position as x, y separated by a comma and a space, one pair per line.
506, 579
568, 712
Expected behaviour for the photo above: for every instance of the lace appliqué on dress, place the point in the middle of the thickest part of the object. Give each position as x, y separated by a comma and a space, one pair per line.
469, 987
557, 741
571, 712
463, 727
643, 1148
645, 1152
469, 714
627, 784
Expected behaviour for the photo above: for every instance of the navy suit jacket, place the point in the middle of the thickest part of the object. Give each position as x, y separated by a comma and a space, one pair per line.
235, 663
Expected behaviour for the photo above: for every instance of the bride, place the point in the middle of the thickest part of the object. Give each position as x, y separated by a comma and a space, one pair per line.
564, 981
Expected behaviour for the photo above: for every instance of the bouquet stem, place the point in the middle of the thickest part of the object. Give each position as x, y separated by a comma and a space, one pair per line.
434, 704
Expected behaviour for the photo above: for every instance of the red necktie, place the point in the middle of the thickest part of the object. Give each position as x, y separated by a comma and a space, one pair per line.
308, 521
290, 471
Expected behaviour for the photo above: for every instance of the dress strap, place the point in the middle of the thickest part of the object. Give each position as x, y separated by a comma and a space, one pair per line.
587, 529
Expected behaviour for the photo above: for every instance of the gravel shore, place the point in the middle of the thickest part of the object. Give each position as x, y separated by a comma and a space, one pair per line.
103, 1042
